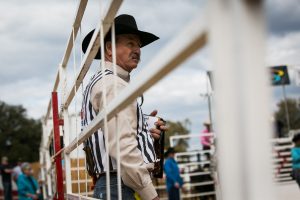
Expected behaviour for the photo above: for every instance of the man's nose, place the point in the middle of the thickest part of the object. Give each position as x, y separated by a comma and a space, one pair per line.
137, 49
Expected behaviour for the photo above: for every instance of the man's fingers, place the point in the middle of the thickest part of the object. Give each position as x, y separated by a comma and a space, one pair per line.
163, 128
161, 125
155, 133
155, 130
155, 136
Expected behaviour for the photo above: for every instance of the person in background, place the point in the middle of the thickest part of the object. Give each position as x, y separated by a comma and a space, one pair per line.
206, 140
6, 170
17, 170
174, 181
27, 185
295, 152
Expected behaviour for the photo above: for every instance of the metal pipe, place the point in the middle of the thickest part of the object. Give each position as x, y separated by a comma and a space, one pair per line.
57, 147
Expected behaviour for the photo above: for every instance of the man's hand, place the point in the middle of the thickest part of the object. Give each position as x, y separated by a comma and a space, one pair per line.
184, 190
32, 196
155, 132
176, 185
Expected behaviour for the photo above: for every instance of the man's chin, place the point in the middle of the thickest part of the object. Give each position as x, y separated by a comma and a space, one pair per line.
135, 64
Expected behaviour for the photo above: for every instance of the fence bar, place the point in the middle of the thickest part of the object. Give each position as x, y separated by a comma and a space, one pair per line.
59, 173
93, 49
48, 168
78, 17
242, 99
180, 48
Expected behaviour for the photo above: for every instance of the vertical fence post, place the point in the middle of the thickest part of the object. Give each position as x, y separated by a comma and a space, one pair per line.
242, 99
57, 147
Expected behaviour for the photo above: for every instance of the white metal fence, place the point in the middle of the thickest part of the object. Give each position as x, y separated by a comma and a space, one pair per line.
235, 30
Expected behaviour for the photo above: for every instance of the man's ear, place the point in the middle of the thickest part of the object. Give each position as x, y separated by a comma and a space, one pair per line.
108, 48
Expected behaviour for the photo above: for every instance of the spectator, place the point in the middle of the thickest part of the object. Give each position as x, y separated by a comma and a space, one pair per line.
206, 140
17, 171
27, 185
174, 181
6, 170
295, 151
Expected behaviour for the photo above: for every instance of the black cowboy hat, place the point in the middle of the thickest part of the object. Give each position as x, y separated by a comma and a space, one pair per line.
124, 24
169, 150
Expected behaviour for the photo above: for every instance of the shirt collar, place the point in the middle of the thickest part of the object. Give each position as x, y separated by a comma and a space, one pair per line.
122, 73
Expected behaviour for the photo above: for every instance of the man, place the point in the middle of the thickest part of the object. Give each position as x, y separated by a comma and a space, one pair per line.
137, 154
174, 181
6, 170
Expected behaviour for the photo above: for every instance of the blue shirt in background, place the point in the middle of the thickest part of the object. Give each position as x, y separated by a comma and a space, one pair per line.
172, 172
296, 157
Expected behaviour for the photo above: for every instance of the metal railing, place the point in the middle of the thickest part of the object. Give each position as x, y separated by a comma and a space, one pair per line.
235, 30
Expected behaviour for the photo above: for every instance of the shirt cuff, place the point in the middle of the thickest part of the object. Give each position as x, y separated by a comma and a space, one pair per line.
148, 192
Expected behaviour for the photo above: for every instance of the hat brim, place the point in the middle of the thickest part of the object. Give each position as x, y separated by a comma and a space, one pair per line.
145, 37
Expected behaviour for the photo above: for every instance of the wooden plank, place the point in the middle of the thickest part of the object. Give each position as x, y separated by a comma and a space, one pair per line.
74, 162
82, 175
73, 196
75, 188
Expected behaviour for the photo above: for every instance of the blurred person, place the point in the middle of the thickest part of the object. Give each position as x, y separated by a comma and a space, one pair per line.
174, 181
17, 171
295, 152
137, 153
28, 187
6, 170
206, 140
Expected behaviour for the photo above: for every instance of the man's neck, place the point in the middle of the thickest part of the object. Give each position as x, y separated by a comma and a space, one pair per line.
122, 73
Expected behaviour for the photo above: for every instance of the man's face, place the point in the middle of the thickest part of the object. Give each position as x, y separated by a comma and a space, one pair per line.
128, 51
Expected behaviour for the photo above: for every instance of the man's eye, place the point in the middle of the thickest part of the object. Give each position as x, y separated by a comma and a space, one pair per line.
133, 44
130, 44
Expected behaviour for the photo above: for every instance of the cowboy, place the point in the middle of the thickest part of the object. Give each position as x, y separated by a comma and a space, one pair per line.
137, 155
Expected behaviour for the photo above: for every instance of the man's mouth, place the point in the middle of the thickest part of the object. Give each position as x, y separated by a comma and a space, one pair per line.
135, 57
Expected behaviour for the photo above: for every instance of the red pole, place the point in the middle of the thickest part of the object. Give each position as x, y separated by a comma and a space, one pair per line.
56, 136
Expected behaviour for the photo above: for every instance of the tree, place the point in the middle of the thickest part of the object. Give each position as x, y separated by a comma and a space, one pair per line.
178, 128
20, 136
293, 111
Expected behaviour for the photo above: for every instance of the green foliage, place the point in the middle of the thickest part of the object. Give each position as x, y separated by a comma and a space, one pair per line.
177, 128
294, 114
19, 136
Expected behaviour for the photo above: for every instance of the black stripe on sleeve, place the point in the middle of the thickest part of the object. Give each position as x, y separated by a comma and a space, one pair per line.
98, 153
138, 125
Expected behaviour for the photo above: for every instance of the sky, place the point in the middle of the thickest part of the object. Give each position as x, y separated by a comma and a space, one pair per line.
33, 38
